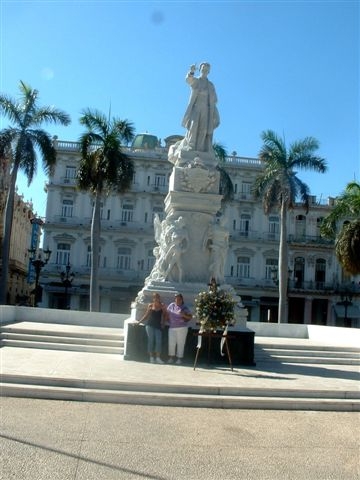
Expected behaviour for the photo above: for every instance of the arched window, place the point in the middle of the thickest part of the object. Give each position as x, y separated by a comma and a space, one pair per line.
299, 272
124, 258
158, 210
273, 227
160, 180
127, 212
270, 267
150, 260
63, 253
320, 273
88, 257
319, 221
70, 173
300, 226
243, 267
245, 224
246, 190
67, 208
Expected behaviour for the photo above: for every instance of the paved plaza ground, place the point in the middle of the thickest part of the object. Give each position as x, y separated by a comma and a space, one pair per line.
58, 439
62, 440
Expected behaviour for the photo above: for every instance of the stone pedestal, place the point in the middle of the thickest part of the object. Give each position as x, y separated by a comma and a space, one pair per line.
192, 241
240, 341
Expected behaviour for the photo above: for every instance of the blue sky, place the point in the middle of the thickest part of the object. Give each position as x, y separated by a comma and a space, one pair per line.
289, 66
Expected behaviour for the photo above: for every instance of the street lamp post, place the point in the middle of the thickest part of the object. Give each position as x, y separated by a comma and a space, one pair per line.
346, 301
38, 263
67, 278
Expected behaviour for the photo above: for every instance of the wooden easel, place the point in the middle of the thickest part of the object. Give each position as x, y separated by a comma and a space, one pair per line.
209, 336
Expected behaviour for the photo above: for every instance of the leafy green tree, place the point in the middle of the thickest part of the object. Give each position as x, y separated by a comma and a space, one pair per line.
22, 142
347, 236
104, 168
279, 187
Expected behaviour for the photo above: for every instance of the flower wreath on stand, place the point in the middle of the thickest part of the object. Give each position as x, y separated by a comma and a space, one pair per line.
215, 309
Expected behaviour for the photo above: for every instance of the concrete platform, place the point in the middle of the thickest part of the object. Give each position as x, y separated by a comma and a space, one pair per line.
271, 384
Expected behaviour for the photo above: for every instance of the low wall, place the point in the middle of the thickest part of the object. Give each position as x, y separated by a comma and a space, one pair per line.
10, 314
319, 333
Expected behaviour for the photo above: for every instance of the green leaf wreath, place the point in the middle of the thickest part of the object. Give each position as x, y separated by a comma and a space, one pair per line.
215, 309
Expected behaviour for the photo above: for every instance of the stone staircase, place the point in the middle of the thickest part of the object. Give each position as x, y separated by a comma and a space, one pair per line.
288, 352
280, 364
162, 394
63, 337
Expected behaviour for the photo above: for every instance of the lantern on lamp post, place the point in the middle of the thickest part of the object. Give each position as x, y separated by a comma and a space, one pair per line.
67, 278
38, 262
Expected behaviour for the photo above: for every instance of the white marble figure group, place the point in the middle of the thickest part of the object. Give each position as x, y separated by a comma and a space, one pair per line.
173, 241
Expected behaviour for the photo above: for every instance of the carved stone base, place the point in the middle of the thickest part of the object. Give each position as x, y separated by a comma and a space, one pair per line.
241, 345
167, 291
181, 157
194, 179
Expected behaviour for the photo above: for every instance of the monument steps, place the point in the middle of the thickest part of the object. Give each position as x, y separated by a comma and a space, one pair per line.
179, 395
63, 337
306, 353
64, 346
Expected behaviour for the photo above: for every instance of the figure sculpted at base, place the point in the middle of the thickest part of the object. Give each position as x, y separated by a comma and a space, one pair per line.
217, 241
172, 238
201, 116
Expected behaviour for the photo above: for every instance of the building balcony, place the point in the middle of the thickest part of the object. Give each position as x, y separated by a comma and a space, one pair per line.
68, 181
105, 273
304, 240
309, 286
251, 282
163, 189
310, 241
248, 197
67, 221
85, 222
251, 235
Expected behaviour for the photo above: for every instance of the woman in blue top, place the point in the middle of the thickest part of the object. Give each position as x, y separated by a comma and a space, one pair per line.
154, 317
178, 316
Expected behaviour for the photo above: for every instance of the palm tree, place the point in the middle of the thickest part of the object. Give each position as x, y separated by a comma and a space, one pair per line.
280, 187
347, 240
104, 167
21, 143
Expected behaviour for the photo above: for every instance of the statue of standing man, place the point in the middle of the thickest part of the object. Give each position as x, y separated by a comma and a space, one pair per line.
201, 116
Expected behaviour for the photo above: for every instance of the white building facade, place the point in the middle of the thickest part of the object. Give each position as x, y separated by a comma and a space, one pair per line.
317, 284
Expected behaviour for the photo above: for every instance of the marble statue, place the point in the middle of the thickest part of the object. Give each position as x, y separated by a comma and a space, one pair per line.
191, 242
201, 116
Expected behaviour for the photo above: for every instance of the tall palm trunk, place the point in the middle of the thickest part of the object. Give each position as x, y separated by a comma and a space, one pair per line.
8, 219
95, 245
283, 265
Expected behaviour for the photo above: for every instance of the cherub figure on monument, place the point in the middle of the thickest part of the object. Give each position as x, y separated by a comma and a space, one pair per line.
217, 240
177, 244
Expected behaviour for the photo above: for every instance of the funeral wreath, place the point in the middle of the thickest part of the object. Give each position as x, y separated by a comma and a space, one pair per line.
215, 308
